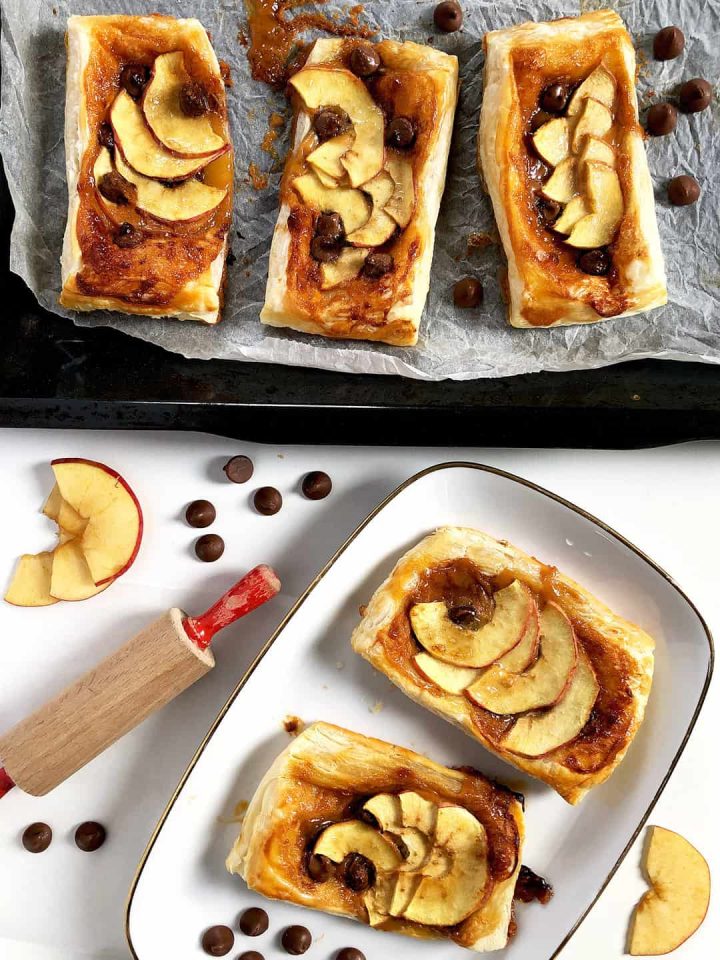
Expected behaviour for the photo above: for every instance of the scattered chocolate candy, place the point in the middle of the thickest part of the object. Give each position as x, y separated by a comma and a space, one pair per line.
555, 97
330, 122
320, 868
467, 293
549, 210
106, 136
364, 60
37, 837
330, 226
358, 872
597, 263
239, 469
324, 249
200, 513
268, 501
296, 940
668, 43
464, 615
448, 16
218, 940
254, 922
251, 955
126, 236
400, 133
90, 836
134, 78
195, 101
530, 886
661, 119
116, 188
350, 953
683, 190
316, 485
378, 264
695, 95
209, 547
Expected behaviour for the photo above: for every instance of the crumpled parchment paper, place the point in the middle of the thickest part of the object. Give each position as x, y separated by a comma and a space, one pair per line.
453, 343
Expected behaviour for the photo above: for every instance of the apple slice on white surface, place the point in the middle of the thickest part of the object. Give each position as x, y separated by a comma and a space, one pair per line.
30, 586
598, 85
71, 578
65, 516
188, 200
448, 677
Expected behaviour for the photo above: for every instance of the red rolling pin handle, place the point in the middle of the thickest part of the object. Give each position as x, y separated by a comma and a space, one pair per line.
251, 591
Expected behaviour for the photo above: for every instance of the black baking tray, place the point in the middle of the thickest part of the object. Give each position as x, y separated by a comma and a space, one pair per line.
55, 374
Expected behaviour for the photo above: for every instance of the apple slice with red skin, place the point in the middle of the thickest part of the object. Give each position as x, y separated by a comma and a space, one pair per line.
71, 579
447, 676
523, 654
65, 516
30, 586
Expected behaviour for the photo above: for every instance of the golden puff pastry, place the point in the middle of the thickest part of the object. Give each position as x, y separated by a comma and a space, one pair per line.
363, 829
378, 166
570, 189
515, 653
149, 168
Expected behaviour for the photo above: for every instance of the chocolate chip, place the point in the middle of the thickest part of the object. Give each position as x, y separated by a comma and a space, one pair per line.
134, 78
364, 60
37, 837
661, 119
126, 236
358, 872
597, 263
448, 16
467, 293
549, 210
116, 188
218, 940
200, 513
296, 940
209, 548
668, 43
239, 469
695, 95
195, 101
316, 485
682, 191
350, 953
330, 122
106, 136
324, 249
369, 818
319, 868
400, 133
539, 119
464, 615
268, 501
330, 226
555, 97
90, 836
251, 955
254, 922
378, 264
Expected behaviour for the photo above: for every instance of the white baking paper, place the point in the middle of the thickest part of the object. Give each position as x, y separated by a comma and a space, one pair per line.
453, 343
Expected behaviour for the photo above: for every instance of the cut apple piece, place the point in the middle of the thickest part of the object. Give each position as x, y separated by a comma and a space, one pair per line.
448, 641
347, 266
525, 653
325, 180
401, 204
552, 140
385, 807
65, 516
71, 578
575, 210
380, 227
599, 85
30, 587
418, 812
354, 836
594, 121
448, 677
190, 136
597, 229
379, 898
352, 205
405, 889
544, 683
535, 734
326, 158
319, 87
562, 182
679, 895
597, 149
186, 201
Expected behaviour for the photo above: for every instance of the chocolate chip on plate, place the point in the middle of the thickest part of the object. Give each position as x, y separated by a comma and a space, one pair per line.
467, 293
364, 60
127, 236
37, 837
239, 469
378, 264
200, 513
358, 872
400, 133
320, 868
324, 250
209, 547
330, 226
448, 16
134, 78
254, 922
683, 190
195, 101
268, 501
695, 95
350, 953
251, 955
106, 136
555, 97
316, 485
218, 940
661, 119
90, 836
331, 122
668, 43
296, 940
596, 263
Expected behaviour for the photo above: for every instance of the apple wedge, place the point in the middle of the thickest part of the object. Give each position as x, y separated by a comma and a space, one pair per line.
574, 211
65, 516
379, 898
525, 653
71, 578
597, 149
326, 158
401, 204
448, 677
189, 136
678, 899
598, 85
561, 185
386, 809
418, 812
598, 228
354, 836
552, 140
594, 121
536, 734
463, 647
380, 227
544, 683
189, 200
352, 205
30, 586
347, 266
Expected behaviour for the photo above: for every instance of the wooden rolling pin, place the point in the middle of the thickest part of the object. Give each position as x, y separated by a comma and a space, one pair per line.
143, 675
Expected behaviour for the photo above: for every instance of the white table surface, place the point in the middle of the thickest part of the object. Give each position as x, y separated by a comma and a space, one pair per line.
68, 905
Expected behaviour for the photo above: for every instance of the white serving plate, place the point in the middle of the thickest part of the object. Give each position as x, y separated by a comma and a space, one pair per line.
308, 669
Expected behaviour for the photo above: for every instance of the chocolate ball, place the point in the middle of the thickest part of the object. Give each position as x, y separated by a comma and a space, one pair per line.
106, 137
134, 78
358, 872
239, 469
400, 133
268, 501
682, 191
350, 953
200, 513
539, 119
330, 122
555, 97
464, 615
448, 16
324, 249
596, 263
254, 922
218, 940
364, 60
195, 101
549, 210
90, 836
116, 188
378, 264
695, 95
316, 485
320, 868
251, 955
661, 119
296, 940
330, 226
209, 548
668, 43
127, 236
37, 837
467, 293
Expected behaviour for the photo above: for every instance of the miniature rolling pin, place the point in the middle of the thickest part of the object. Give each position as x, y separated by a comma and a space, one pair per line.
143, 675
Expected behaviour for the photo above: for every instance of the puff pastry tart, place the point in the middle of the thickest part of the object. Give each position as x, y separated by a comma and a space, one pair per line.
363, 829
149, 168
561, 152
353, 243
515, 653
